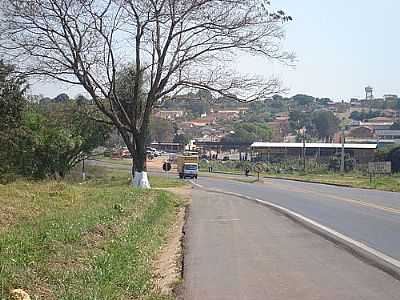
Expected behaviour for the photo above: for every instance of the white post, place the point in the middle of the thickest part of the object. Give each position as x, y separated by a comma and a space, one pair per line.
342, 155
141, 180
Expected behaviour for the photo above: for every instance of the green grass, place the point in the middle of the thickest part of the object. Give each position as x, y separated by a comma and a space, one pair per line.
106, 174
124, 161
66, 240
164, 182
386, 183
353, 179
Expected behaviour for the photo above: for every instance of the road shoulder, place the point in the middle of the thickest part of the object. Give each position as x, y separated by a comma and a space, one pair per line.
169, 262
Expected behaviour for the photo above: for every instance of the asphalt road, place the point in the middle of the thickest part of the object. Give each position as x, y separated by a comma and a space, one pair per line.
369, 216
237, 249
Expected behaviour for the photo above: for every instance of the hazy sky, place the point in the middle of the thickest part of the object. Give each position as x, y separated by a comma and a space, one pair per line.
341, 47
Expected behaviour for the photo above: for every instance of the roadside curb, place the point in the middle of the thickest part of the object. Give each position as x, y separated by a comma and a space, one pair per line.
177, 290
369, 255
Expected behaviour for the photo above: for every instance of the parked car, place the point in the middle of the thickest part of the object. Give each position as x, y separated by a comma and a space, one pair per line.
153, 151
126, 154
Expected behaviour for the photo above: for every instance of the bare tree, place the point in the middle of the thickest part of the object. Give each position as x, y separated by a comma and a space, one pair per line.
172, 44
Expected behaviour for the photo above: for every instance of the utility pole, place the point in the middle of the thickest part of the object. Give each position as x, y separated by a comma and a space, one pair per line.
304, 148
83, 170
304, 154
342, 154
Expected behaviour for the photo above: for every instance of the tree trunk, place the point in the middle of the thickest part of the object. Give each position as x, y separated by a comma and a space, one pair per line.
140, 178
130, 142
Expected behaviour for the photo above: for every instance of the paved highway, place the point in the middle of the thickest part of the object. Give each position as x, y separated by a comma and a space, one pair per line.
237, 249
369, 216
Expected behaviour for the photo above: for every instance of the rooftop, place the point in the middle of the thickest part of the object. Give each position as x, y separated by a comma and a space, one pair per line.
312, 145
387, 132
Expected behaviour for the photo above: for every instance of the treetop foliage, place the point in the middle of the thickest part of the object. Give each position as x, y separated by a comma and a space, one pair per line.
248, 133
45, 139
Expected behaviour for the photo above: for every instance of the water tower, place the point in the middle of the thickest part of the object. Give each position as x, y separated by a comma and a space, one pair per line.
369, 93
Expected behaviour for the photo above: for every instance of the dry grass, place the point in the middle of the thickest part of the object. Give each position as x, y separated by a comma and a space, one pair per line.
65, 240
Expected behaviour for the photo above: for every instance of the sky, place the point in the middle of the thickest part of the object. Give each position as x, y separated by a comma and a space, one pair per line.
341, 47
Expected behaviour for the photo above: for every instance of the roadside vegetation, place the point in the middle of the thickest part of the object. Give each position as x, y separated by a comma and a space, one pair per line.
92, 240
355, 178
352, 179
42, 140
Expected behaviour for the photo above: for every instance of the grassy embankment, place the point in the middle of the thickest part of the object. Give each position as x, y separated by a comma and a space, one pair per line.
353, 179
124, 161
384, 183
65, 240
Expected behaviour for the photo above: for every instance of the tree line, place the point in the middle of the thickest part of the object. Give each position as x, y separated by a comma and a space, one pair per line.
171, 46
42, 140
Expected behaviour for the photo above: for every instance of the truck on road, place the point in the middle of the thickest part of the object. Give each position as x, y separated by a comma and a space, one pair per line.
187, 166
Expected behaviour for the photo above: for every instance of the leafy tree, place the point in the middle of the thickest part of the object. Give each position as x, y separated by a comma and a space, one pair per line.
258, 112
257, 107
397, 104
303, 100
53, 139
181, 139
323, 101
395, 126
336, 160
363, 115
174, 45
61, 98
248, 133
205, 95
356, 115
199, 107
298, 120
82, 100
392, 154
277, 98
12, 101
161, 130
252, 117
12, 106
325, 123
322, 124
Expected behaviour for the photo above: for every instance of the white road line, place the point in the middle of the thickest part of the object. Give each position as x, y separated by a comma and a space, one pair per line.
223, 220
196, 184
339, 235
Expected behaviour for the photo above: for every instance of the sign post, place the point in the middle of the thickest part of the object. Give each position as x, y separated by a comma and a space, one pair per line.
166, 167
258, 168
379, 167
83, 170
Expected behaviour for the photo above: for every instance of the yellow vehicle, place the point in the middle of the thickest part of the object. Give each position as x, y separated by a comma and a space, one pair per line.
187, 166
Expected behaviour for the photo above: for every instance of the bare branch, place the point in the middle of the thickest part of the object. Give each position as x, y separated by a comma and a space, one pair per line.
172, 44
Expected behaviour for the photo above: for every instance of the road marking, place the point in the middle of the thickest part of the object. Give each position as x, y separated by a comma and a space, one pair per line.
196, 184
341, 238
349, 200
223, 220
354, 201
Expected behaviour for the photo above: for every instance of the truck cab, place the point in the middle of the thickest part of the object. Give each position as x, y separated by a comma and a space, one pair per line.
190, 170
187, 165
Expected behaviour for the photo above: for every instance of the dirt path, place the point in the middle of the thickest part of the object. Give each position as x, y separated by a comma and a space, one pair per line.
168, 265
